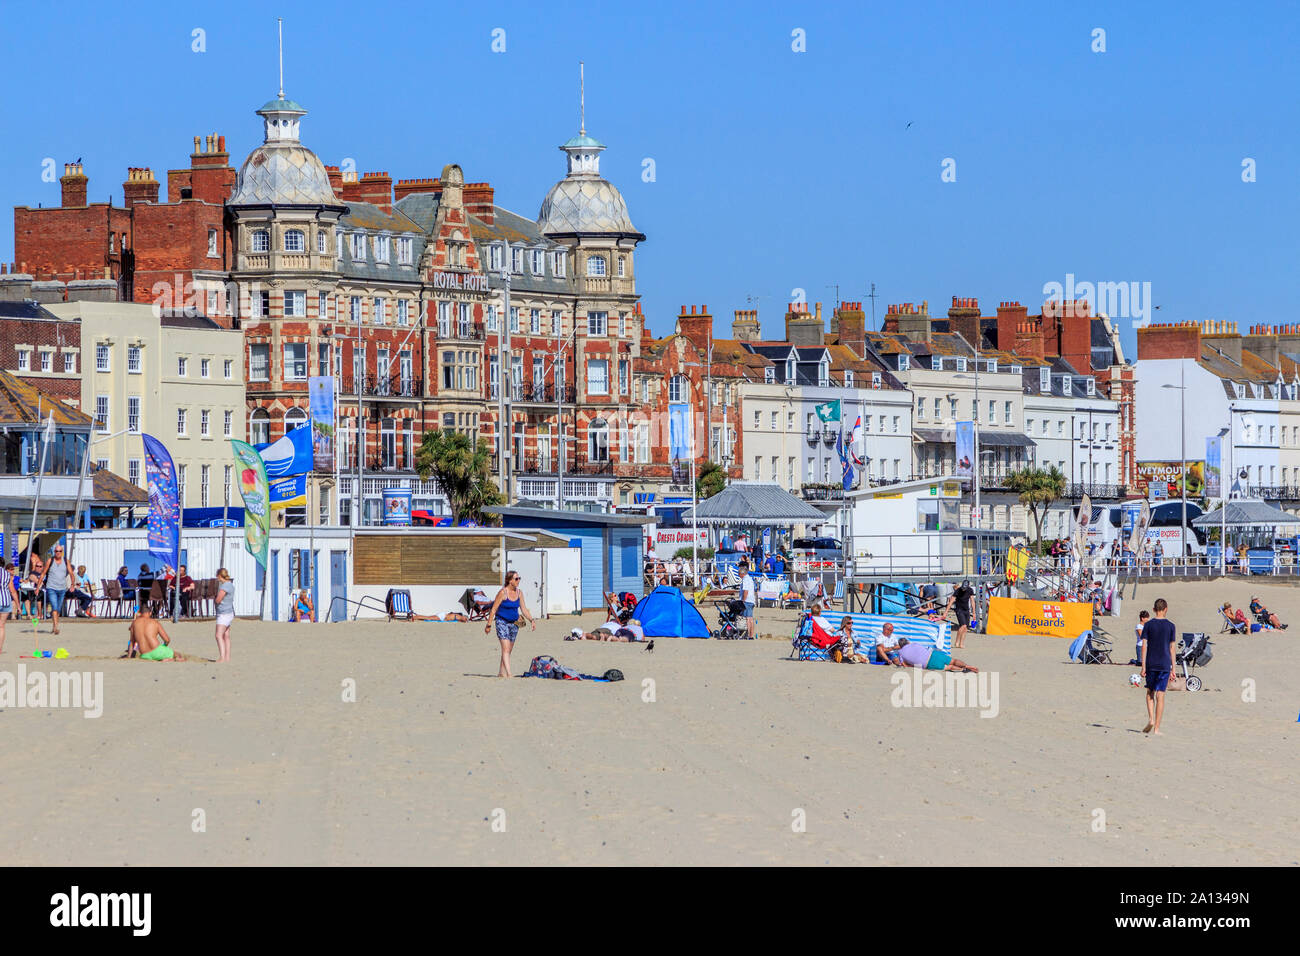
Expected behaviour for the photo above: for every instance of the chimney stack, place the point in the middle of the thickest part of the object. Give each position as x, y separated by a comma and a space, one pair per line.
745, 326
75, 185
376, 189
478, 202
140, 186
696, 326
851, 321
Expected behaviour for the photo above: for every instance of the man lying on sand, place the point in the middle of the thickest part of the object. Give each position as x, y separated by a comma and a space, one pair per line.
149, 641
629, 633
930, 659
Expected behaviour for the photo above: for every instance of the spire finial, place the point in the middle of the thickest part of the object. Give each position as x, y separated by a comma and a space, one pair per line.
582, 99
279, 26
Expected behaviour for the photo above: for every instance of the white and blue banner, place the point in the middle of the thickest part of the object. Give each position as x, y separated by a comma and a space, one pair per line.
679, 431
866, 628
290, 455
164, 505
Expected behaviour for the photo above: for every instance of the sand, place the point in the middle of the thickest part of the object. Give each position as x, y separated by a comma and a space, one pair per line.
439, 762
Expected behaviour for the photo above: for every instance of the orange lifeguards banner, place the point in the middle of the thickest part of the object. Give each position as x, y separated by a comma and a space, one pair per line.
1034, 618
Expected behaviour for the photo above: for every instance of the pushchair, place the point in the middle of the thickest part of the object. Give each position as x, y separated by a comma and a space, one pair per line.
731, 617
626, 603
1195, 652
1090, 648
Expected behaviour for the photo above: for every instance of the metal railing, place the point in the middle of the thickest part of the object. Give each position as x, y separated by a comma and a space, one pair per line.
1092, 489
394, 386
1274, 492
462, 331
546, 393
821, 493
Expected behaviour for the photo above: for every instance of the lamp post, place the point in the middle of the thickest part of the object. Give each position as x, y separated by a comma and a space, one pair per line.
1223, 498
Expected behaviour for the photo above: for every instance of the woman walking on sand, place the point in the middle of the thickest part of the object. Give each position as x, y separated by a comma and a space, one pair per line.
225, 614
8, 598
505, 613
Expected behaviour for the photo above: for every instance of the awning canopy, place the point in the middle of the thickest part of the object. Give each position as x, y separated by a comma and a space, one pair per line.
1245, 514
947, 436
754, 504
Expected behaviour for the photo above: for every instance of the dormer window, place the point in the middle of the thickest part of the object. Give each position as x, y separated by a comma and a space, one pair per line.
260, 241
1239, 389
904, 362
823, 374
1091, 385
961, 363
993, 365
876, 382
383, 249
1067, 385
1045, 380
358, 247
1015, 369
848, 378
1256, 390
494, 258
769, 375
789, 370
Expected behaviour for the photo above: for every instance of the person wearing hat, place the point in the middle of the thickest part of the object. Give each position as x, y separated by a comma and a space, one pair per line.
963, 602
748, 594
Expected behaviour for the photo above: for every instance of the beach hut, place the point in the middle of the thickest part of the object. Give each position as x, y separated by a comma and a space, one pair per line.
613, 545
665, 613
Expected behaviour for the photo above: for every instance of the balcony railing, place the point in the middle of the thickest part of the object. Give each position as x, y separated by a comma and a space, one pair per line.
461, 331
822, 493
395, 386
1274, 492
386, 463
1093, 489
814, 437
546, 393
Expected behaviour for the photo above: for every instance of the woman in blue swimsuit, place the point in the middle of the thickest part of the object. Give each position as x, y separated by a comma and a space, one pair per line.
504, 616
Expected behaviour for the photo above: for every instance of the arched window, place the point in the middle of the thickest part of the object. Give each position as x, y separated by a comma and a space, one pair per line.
293, 418
678, 389
295, 241
259, 427
320, 241
598, 440
260, 241
595, 265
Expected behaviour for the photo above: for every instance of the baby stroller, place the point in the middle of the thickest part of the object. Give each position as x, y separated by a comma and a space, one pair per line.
1090, 648
731, 616
1195, 653
626, 605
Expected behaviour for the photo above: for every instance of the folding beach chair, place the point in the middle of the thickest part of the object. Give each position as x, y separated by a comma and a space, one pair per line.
398, 604
1233, 627
476, 604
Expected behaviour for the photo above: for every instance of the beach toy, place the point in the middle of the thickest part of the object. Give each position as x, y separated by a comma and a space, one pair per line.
47, 654
1134, 679
61, 653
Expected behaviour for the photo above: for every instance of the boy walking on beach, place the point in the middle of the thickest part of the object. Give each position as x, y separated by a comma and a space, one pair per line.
1137, 633
1158, 636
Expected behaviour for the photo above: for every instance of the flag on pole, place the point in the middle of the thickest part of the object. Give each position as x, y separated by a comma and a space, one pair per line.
256, 495
164, 503
828, 411
846, 468
855, 439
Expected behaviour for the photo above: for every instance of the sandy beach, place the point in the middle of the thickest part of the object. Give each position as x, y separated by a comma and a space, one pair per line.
439, 762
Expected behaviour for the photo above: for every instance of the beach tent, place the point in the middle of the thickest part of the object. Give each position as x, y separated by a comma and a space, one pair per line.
665, 613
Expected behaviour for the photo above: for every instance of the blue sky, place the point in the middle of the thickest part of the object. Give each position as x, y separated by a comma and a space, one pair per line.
775, 170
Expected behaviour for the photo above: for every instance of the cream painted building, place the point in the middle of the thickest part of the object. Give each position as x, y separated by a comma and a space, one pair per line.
177, 377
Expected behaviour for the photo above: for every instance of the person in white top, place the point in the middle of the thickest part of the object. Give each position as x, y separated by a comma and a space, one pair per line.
887, 646
748, 594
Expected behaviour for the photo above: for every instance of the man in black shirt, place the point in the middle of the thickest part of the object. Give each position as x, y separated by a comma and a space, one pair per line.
1158, 636
962, 601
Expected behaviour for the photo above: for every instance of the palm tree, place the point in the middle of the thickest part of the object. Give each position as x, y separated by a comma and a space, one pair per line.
463, 472
711, 479
1038, 488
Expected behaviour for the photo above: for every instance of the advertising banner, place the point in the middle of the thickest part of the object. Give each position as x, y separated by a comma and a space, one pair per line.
320, 393
1214, 467
679, 431
290, 455
290, 492
257, 510
1038, 618
397, 506
965, 444
1170, 474
164, 505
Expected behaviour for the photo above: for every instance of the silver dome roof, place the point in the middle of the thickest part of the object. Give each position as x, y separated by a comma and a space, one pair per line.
584, 204
285, 175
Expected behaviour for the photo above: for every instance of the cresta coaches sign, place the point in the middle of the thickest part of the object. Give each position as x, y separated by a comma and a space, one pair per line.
460, 281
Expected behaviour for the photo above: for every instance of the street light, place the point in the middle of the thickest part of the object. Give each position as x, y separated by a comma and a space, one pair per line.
1182, 438
81, 483
1223, 496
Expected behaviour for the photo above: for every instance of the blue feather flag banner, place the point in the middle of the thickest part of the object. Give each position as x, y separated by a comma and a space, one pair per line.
164, 503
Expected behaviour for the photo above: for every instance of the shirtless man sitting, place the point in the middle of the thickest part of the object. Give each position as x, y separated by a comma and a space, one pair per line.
149, 641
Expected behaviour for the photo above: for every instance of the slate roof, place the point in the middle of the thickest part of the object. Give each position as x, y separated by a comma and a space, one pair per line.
111, 489
753, 503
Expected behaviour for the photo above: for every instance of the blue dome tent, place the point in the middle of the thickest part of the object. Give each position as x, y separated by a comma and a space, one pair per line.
665, 613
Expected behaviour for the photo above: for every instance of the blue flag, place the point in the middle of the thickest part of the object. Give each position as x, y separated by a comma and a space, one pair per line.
164, 504
679, 431
290, 455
